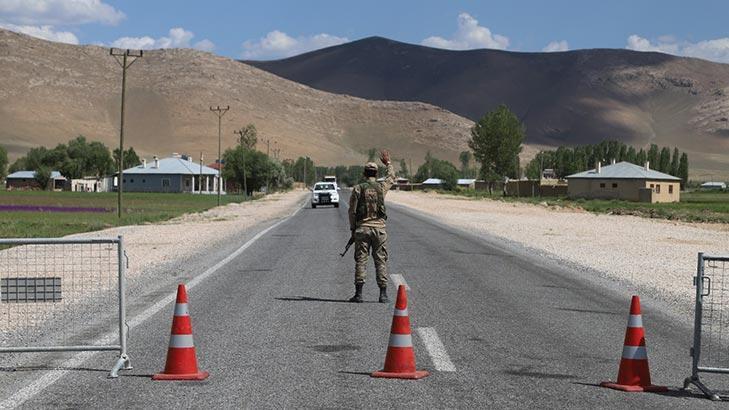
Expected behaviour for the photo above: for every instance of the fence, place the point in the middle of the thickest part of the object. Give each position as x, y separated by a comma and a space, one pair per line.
61, 295
710, 351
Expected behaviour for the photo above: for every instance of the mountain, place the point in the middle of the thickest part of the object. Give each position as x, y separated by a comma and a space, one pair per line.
574, 97
52, 92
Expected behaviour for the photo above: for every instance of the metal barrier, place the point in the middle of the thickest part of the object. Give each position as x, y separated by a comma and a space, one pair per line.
58, 295
710, 351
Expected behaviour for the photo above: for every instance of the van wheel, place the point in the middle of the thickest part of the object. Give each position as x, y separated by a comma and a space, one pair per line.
313, 206
336, 205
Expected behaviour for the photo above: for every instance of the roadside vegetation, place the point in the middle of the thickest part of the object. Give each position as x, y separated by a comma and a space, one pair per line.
695, 206
139, 208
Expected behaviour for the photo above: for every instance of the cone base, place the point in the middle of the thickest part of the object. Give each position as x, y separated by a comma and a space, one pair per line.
418, 374
629, 388
187, 376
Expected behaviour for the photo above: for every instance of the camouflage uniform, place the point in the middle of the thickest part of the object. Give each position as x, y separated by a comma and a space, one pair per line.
369, 225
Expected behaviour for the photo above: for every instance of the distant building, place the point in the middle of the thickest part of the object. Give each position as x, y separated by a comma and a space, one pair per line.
178, 173
713, 185
432, 183
624, 181
92, 184
26, 180
468, 183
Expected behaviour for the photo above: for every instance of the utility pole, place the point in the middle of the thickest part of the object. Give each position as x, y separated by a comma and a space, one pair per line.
125, 63
245, 182
268, 169
199, 185
305, 161
219, 112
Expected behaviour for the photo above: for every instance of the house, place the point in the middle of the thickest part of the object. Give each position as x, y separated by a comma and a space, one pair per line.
713, 185
92, 184
468, 183
178, 173
26, 180
624, 181
432, 183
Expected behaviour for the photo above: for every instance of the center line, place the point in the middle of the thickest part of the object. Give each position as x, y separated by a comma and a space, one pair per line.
436, 350
399, 280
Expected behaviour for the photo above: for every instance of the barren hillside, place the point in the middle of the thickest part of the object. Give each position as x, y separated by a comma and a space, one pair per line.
51, 92
575, 97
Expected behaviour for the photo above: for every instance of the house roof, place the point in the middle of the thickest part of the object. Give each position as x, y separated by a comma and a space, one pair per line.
466, 181
172, 165
31, 175
432, 181
623, 170
714, 184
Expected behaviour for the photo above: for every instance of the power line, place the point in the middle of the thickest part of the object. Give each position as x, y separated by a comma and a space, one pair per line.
219, 112
125, 62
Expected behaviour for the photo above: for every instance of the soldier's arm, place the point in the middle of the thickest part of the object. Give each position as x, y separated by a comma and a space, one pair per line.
353, 208
390, 179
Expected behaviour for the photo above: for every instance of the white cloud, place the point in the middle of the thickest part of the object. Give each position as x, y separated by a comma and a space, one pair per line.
714, 50
58, 12
44, 32
555, 46
277, 44
468, 36
177, 38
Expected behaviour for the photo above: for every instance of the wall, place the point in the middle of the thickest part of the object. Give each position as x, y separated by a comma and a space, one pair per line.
152, 183
626, 189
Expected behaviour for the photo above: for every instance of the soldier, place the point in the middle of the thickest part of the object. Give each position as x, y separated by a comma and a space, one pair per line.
367, 221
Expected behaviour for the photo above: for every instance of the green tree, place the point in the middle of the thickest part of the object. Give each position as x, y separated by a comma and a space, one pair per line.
674, 162
653, 156
641, 157
496, 143
630, 156
248, 136
371, 154
441, 169
3, 162
252, 169
664, 161
304, 171
683, 169
465, 157
131, 159
43, 177
404, 172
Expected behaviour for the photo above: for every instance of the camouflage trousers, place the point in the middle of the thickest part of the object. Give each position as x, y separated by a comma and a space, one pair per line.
370, 240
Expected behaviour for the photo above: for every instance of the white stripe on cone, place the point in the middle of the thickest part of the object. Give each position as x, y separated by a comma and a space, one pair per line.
635, 353
181, 341
401, 312
635, 321
181, 309
400, 340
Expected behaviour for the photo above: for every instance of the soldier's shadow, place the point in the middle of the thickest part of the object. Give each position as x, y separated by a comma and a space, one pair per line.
310, 299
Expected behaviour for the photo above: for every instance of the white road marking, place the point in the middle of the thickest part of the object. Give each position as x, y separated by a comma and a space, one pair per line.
436, 350
53, 376
399, 280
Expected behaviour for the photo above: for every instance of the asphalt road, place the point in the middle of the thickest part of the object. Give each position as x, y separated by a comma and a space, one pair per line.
273, 329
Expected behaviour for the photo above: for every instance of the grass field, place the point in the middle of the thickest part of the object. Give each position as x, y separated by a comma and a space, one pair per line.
138, 208
696, 206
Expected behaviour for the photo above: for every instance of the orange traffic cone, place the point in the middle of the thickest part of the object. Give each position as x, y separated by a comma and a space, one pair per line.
400, 359
634, 375
181, 358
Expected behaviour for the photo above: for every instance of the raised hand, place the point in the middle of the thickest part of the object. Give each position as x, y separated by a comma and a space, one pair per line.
385, 157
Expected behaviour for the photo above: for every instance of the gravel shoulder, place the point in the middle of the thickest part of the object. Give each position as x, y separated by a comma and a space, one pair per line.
656, 256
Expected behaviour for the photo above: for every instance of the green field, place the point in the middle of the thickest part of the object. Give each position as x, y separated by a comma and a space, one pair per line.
696, 206
139, 208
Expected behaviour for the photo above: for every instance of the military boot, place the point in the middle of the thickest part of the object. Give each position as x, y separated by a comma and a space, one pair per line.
383, 295
357, 298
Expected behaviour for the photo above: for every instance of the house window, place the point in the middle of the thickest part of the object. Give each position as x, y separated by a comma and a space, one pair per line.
165, 182
124, 180
658, 188
670, 189
602, 185
144, 180
615, 185
131, 181
652, 186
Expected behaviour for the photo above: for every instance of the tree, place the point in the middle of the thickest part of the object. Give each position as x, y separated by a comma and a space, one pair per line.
252, 169
43, 176
441, 169
371, 154
683, 169
303, 171
674, 163
496, 143
640, 157
404, 172
664, 161
465, 157
130, 158
630, 156
3, 162
652, 156
248, 136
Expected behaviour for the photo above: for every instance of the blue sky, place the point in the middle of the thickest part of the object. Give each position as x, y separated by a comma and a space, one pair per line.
274, 29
